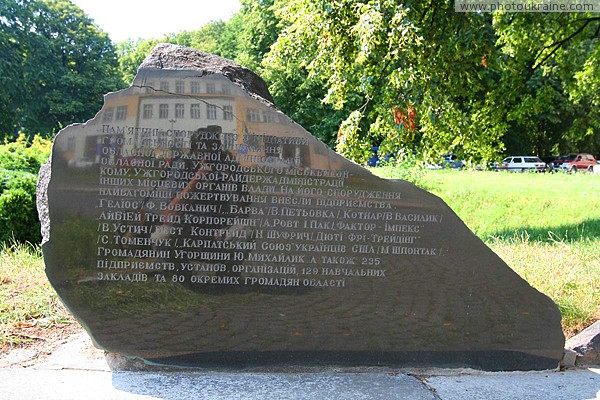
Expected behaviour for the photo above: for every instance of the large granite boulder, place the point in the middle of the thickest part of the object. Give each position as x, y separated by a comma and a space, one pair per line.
191, 223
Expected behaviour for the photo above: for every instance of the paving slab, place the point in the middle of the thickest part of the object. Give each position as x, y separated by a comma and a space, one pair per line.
575, 384
77, 370
72, 384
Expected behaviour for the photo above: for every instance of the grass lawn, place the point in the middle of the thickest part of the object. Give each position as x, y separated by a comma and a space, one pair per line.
546, 227
29, 306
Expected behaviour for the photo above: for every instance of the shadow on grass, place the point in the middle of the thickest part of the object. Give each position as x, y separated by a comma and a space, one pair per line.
586, 230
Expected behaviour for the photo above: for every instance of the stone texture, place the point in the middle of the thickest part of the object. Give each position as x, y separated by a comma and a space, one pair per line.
172, 57
569, 359
42, 199
193, 224
587, 345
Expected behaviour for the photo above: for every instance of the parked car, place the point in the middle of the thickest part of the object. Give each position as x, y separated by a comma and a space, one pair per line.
449, 161
375, 161
452, 161
522, 164
575, 162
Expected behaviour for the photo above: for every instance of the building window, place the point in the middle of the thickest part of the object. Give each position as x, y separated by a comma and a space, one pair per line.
253, 115
164, 86
163, 111
211, 111
267, 117
210, 88
179, 110
228, 113
71, 144
108, 115
195, 111
179, 87
195, 87
225, 89
121, 113
147, 111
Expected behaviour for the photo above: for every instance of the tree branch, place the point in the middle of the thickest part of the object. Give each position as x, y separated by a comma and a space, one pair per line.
425, 12
557, 45
433, 16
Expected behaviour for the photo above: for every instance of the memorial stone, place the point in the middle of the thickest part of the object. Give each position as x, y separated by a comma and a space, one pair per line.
191, 223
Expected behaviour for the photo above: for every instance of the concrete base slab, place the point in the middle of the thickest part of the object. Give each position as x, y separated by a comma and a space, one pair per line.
68, 384
78, 353
576, 384
79, 371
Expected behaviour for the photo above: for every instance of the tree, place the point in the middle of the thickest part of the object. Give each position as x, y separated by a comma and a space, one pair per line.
416, 76
258, 30
283, 67
551, 81
60, 65
14, 40
215, 37
393, 69
131, 54
419, 76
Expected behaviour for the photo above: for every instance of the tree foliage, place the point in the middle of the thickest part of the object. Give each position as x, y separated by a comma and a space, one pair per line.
245, 38
55, 65
417, 75
403, 75
550, 81
215, 37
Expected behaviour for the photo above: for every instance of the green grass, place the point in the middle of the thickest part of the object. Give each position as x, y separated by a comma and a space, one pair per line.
545, 226
544, 207
28, 304
568, 272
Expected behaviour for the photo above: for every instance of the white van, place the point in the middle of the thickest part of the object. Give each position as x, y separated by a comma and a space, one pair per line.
523, 163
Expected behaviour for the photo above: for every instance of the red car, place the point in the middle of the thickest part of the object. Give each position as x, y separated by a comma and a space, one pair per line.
575, 162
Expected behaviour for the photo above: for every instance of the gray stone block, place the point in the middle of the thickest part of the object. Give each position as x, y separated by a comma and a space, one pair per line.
587, 345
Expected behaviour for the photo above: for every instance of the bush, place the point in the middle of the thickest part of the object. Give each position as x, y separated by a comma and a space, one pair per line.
18, 216
21, 155
407, 167
20, 162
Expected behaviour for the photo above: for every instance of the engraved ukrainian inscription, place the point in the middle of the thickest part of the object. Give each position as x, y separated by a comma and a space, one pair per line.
208, 214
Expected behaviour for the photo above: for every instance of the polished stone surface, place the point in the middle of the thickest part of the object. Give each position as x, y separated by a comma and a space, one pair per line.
191, 223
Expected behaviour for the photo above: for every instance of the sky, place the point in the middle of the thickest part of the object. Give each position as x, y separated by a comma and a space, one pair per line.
132, 19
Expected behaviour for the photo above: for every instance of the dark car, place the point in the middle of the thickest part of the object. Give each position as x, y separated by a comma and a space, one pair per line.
452, 161
374, 161
574, 162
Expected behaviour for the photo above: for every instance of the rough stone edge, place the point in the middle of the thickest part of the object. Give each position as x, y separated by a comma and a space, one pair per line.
173, 57
41, 193
587, 345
